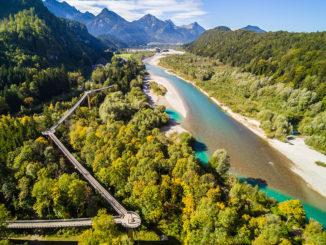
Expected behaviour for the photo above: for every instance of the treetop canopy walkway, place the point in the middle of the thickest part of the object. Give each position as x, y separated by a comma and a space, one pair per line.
126, 218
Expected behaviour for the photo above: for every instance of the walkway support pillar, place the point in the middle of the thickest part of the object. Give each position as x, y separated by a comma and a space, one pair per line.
131, 234
89, 101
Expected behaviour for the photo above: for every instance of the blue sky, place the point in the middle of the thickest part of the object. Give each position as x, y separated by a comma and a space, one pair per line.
271, 15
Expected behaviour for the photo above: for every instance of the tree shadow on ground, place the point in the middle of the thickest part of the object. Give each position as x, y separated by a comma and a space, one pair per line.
255, 181
200, 146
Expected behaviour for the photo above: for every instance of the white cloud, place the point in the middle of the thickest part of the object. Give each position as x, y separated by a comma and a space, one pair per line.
180, 11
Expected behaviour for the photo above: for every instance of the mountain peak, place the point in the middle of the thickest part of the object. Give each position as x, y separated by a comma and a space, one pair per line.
149, 17
193, 26
253, 29
222, 28
110, 15
169, 21
138, 32
63, 9
89, 14
104, 12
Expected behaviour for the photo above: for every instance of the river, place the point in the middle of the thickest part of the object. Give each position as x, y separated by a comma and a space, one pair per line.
252, 158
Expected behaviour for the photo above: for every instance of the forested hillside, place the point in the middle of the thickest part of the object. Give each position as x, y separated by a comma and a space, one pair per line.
296, 59
157, 176
37, 50
280, 108
119, 141
287, 91
36, 182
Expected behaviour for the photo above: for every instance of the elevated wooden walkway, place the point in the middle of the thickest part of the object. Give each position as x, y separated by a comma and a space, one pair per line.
126, 218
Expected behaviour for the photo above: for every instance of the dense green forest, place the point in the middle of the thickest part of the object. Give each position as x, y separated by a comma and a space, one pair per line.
119, 141
281, 106
295, 59
40, 55
157, 176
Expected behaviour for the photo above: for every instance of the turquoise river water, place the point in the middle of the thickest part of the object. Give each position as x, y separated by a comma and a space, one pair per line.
252, 158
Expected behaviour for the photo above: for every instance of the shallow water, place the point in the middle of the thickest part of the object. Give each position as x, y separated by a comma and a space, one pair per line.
174, 115
251, 156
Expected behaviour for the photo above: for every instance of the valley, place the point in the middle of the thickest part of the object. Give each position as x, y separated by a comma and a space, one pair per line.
212, 127
121, 123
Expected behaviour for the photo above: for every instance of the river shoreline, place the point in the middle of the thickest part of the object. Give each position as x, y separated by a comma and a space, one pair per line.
171, 100
301, 155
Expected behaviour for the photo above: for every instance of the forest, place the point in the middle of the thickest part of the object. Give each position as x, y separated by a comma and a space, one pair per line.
296, 59
291, 67
120, 142
282, 109
42, 56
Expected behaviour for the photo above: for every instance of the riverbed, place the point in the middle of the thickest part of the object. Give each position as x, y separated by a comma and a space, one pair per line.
252, 158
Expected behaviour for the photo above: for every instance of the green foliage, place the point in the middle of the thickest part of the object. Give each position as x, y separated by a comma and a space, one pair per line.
313, 233
157, 88
281, 109
4, 216
35, 186
116, 107
13, 131
160, 179
293, 65
36, 50
291, 58
104, 231
156, 176
322, 164
138, 56
220, 161
292, 210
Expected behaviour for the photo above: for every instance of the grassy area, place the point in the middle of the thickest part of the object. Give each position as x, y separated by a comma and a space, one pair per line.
322, 164
127, 56
137, 55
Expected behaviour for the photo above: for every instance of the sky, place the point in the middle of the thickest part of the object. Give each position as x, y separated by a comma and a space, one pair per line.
270, 15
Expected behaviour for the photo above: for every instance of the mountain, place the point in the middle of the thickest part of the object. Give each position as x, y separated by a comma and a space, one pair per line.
37, 53
105, 22
158, 30
190, 31
253, 29
64, 10
140, 32
113, 25
42, 34
112, 41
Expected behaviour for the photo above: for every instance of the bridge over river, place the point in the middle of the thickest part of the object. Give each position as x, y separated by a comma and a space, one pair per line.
126, 218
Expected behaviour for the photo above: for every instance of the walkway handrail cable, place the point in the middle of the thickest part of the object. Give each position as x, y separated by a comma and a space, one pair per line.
72, 109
